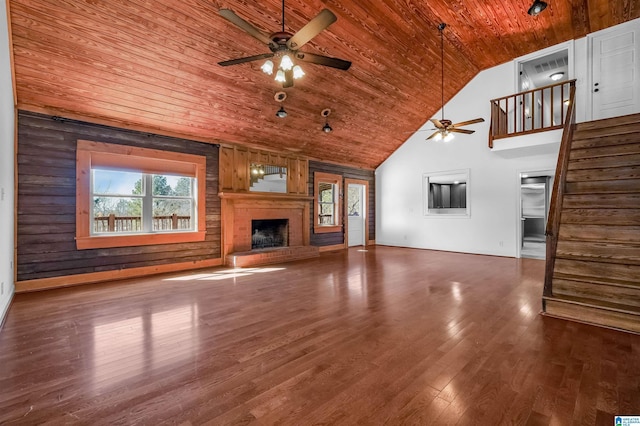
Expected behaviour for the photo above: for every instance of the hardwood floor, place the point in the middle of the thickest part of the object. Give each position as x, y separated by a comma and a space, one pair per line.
388, 335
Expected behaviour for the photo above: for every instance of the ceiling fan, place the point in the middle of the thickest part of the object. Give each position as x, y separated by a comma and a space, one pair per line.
285, 46
445, 128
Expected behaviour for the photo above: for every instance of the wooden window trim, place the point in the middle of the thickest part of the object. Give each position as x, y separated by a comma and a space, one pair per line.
145, 160
333, 179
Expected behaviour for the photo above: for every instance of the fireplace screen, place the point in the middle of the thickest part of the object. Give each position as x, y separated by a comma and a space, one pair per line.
267, 233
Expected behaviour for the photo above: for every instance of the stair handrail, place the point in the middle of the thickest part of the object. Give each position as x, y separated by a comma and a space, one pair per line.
557, 196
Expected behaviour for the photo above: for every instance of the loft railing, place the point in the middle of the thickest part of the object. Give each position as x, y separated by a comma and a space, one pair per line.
538, 110
553, 223
113, 223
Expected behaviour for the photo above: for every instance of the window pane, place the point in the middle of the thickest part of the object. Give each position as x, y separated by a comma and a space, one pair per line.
164, 210
167, 185
326, 214
353, 199
117, 214
115, 182
326, 192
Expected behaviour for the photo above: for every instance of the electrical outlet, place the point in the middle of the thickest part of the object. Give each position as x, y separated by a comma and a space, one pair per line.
501, 243
2, 289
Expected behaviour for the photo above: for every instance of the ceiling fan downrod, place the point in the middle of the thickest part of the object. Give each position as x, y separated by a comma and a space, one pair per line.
441, 28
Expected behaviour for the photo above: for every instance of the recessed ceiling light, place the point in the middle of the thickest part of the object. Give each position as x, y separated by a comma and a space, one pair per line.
556, 76
537, 7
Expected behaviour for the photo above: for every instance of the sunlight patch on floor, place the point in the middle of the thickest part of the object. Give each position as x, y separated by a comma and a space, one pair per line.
223, 274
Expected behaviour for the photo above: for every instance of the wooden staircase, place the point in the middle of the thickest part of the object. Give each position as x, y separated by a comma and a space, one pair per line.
594, 274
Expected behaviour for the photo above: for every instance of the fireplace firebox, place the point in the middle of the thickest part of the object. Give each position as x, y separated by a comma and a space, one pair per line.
266, 233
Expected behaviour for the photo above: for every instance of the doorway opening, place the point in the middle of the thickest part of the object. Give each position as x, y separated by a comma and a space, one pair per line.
533, 212
544, 70
357, 223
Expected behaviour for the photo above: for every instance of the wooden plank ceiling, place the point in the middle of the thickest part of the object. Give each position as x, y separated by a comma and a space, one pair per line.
152, 65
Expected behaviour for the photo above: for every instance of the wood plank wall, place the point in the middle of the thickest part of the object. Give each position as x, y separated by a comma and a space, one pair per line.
235, 162
46, 200
335, 238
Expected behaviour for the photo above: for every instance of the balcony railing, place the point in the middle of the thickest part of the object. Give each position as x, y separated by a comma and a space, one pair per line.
537, 110
113, 223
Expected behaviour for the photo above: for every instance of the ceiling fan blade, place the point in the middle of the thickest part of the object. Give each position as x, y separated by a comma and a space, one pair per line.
437, 123
464, 123
288, 82
433, 135
312, 29
247, 59
230, 16
341, 64
465, 131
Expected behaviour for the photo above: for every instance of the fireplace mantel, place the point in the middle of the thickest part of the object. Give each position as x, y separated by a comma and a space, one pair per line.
263, 195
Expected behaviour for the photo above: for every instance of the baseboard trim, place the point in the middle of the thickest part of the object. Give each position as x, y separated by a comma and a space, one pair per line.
96, 277
5, 312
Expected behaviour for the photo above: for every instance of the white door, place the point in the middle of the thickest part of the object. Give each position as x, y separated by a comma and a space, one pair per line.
356, 214
615, 72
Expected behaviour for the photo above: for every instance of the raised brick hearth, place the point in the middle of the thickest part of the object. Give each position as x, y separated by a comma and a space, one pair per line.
269, 256
238, 212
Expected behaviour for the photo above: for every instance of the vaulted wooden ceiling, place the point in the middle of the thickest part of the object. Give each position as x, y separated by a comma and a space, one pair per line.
152, 65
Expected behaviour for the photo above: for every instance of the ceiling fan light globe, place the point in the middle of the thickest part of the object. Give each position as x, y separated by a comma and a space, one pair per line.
286, 63
280, 76
438, 137
298, 72
326, 128
267, 67
448, 137
281, 113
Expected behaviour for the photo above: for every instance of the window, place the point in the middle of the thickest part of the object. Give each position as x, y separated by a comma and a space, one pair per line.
327, 196
447, 193
128, 196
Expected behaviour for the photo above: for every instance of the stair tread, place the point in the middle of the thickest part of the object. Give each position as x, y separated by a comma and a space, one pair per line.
630, 201
611, 161
596, 280
601, 152
609, 233
595, 303
604, 174
604, 292
601, 216
609, 122
624, 257
605, 141
598, 271
618, 186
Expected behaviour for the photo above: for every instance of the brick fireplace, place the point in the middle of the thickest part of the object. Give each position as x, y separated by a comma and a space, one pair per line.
241, 210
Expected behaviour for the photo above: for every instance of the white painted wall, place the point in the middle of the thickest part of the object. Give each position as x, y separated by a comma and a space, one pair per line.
7, 123
492, 227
